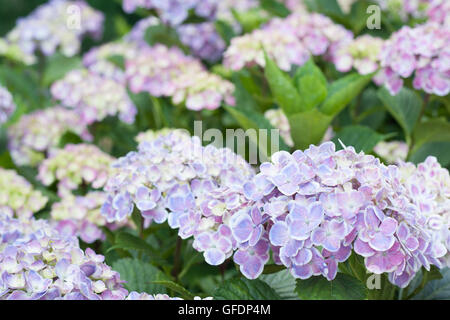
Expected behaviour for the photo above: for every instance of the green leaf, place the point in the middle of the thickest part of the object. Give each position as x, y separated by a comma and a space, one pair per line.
343, 91
275, 7
311, 84
165, 35
283, 90
308, 128
252, 120
69, 137
244, 289
436, 289
343, 287
282, 282
127, 241
139, 275
117, 60
362, 138
438, 149
224, 30
185, 294
404, 107
57, 66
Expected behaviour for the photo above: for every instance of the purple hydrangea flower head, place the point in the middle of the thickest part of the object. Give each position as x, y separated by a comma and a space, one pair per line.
58, 24
167, 72
37, 262
7, 105
18, 196
94, 97
74, 165
36, 134
420, 52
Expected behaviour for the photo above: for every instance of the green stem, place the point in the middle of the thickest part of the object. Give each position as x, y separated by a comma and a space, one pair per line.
177, 259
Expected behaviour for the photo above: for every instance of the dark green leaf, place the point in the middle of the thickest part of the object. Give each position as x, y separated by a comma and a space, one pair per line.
224, 30
282, 282
404, 107
311, 84
283, 90
185, 294
244, 289
57, 66
343, 287
308, 128
343, 91
436, 289
139, 275
275, 7
360, 137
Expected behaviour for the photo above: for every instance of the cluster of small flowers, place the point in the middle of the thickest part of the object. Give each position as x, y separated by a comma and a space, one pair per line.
295, 5
59, 23
151, 135
97, 59
172, 176
203, 40
36, 262
361, 53
145, 296
7, 105
35, 134
423, 51
17, 195
439, 11
137, 33
75, 165
405, 9
392, 151
288, 41
312, 207
175, 12
80, 216
167, 72
94, 97
278, 120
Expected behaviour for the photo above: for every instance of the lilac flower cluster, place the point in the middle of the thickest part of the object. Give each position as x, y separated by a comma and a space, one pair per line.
278, 120
439, 11
59, 23
17, 195
203, 40
94, 97
174, 177
36, 262
405, 9
7, 105
392, 151
175, 12
75, 165
313, 207
96, 59
80, 216
423, 51
167, 72
288, 41
361, 53
37, 133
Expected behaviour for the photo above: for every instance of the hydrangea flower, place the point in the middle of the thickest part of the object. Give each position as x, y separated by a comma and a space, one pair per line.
314, 207
57, 24
278, 120
405, 9
7, 105
18, 196
392, 151
421, 52
438, 11
32, 138
362, 53
80, 216
94, 97
167, 72
203, 40
172, 176
76, 165
289, 41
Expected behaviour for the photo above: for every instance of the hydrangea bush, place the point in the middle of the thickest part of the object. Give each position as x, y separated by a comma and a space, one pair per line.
224, 149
